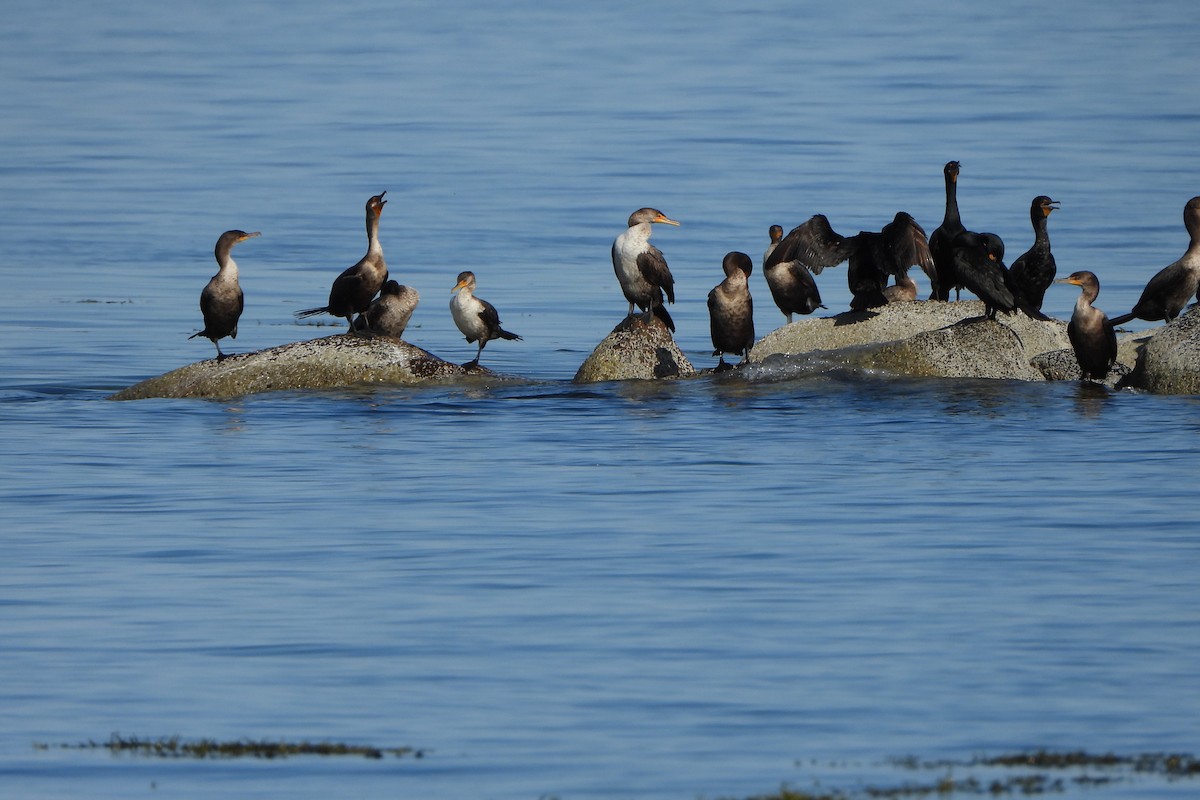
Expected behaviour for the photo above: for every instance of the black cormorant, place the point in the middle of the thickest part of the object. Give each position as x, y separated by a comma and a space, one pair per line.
943, 278
979, 265
1033, 272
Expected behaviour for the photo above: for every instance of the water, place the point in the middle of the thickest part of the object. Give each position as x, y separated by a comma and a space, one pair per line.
707, 588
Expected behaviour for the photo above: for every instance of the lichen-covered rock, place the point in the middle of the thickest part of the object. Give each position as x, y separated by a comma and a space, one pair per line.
1061, 365
331, 362
635, 349
1169, 362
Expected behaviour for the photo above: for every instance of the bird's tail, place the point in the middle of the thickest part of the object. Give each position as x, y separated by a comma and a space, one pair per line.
507, 334
1121, 320
197, 333
311, 312
661, 312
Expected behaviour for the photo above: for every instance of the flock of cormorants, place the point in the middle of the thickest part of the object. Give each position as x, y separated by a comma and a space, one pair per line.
952, 257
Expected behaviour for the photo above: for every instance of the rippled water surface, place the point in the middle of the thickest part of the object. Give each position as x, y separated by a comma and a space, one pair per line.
708, 588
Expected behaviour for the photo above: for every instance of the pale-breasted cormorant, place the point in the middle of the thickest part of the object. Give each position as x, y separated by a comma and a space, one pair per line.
1169, 291
731, 309
1033, 272
943, 278
474, 316
356, 287
776, 234
904, 290
641, 269
389, 313
1090, 331
221, 301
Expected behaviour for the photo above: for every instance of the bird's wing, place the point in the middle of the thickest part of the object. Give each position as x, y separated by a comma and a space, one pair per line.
814, 244
654, 269
489, 315
906, 242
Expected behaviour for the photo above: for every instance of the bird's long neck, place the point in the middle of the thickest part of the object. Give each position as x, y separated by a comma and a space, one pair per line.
374, 248
951, 200
1039, 217
1191, 221
227, 268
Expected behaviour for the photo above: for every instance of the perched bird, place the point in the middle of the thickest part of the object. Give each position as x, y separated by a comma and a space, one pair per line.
731, 309
979, 267
792, 286
1169, 291
904, 290
641, 269
873, 256
221, 301
356, 287
389, 313
474, 316
1033, 272
776, 234
1090, 331
943, 277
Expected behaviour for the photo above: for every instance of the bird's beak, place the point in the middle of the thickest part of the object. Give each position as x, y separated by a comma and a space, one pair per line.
666, 220
250, 236
458, 286
1074, 282
1051, 206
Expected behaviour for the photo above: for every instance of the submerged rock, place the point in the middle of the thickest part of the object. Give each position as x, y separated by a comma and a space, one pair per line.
331, 362
635, 349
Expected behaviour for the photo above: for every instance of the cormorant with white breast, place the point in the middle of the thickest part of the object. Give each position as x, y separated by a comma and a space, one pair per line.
356, 287
475, 317
731, 310
943, 277
1031, 274
1169, 291
641, 268
389, 313
221, 300
979, 267
776, 234
1090, 331
873, 256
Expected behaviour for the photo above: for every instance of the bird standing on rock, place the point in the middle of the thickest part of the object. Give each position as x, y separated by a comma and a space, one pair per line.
356, 287
222, 300
389, 313
1090, 331
641, 268
979, 267
1169, 291
475, 317
731, 310
1031, 274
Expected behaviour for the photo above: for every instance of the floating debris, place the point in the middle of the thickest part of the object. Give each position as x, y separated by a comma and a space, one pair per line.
175, 747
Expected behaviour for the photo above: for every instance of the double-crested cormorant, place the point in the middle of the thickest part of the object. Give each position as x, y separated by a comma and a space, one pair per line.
904, 290
356, 287
873, 257
1090, 331
1169, 291
474, 316
221, 301
731, 309
1033, 272
389, 313
641, 269
776, 234
979, 266
792, 286
943, 277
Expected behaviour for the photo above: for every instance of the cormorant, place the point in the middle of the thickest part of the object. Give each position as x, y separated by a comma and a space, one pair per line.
221, 300
943, 278
904, 290
356, 287
389, 313
776, 234
641, 269
731, 310
474, 316
873, 257
979, 266
1033, 272
1169, 291
1090, 331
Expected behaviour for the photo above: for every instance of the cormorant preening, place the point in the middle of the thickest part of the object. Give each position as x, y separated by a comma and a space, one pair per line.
943, 278
221, 301
356, 287
1090, 331
474, 316
904, 290
389, 313
873, 257
979, 267
641, 269
1169, 291
1033, 272
731, 310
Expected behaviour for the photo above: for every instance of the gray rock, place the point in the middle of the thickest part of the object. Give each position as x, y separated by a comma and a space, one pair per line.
635, 350
331, 362
1061, 365
1169, 361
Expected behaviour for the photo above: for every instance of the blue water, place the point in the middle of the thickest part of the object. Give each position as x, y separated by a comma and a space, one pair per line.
707, 588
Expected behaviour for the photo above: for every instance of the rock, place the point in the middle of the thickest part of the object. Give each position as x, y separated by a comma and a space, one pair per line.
1169, 361
635, 350
331, 362
1061, 365
923, 338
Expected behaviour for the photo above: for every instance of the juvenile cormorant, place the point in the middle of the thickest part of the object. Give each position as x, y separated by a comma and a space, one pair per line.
474, 316
731, 310
792, 286
356, 287
1169, 291
1033, 272
979, 265
389, 313
873, 256
943, 278
904, 290
221, 301
641, 269
776, 234
1090, 331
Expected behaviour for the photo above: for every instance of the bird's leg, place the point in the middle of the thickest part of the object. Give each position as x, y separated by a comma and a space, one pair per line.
220, 355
